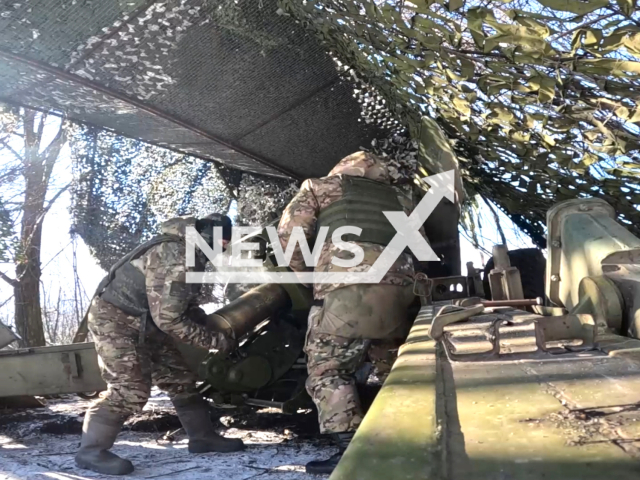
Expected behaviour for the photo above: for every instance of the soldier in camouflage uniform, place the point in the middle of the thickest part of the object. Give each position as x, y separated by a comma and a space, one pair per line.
347, 319
140, 310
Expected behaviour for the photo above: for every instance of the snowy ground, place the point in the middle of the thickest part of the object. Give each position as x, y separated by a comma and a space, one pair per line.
41, 443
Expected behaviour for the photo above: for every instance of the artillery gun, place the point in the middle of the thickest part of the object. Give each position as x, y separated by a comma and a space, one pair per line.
506, 388
268, 369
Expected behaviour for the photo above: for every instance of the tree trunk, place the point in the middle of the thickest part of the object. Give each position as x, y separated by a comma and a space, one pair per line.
28, 315
37, 168
28, 312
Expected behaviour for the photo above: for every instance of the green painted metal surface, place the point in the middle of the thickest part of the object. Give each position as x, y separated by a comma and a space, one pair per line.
50, 370
571, 416
515, 422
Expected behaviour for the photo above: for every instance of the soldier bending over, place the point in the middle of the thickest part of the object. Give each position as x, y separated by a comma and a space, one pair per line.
140, 310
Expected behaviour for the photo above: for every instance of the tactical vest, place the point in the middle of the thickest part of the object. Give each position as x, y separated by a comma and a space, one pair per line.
361, 205
125, 286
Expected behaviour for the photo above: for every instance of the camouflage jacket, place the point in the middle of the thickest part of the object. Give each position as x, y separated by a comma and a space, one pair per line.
170, 298
318, 193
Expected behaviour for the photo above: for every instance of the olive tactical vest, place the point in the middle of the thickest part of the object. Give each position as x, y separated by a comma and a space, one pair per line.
361, 205
125, 286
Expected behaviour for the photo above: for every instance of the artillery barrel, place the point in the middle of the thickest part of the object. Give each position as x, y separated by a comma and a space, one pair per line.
247, 311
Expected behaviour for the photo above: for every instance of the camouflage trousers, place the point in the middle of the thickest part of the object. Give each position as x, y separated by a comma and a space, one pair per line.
128, 368
332, 362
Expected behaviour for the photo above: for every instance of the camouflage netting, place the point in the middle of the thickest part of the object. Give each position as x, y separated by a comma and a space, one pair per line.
223, 80
401, 154
538, 98
125, 188
261, 200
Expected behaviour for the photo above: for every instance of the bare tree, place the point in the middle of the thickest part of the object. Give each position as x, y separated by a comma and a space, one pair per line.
32, 165
52, 315
59, 313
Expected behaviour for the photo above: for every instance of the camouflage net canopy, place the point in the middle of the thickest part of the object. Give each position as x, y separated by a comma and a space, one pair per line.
126, 188
224, 80
538, 98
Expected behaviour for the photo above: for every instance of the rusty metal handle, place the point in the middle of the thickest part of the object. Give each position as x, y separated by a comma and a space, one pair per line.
525, 302
451, 314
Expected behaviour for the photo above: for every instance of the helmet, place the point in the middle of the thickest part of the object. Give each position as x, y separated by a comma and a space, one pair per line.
205, 225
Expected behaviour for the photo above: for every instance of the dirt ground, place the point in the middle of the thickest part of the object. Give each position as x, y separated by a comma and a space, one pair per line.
41, 443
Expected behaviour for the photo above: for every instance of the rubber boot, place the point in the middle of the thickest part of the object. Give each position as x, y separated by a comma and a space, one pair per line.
99, 432
326, 467
193, 412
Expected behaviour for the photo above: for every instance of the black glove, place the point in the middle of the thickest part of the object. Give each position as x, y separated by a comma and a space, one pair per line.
197, 315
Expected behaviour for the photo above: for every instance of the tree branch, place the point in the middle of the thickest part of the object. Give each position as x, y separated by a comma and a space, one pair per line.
55, 197
584, 25
475, 243
43, 119
14, 283
496, 218
51, 153
6, 301
46, 209
12, 150
56, 255
29, 141
7, 174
